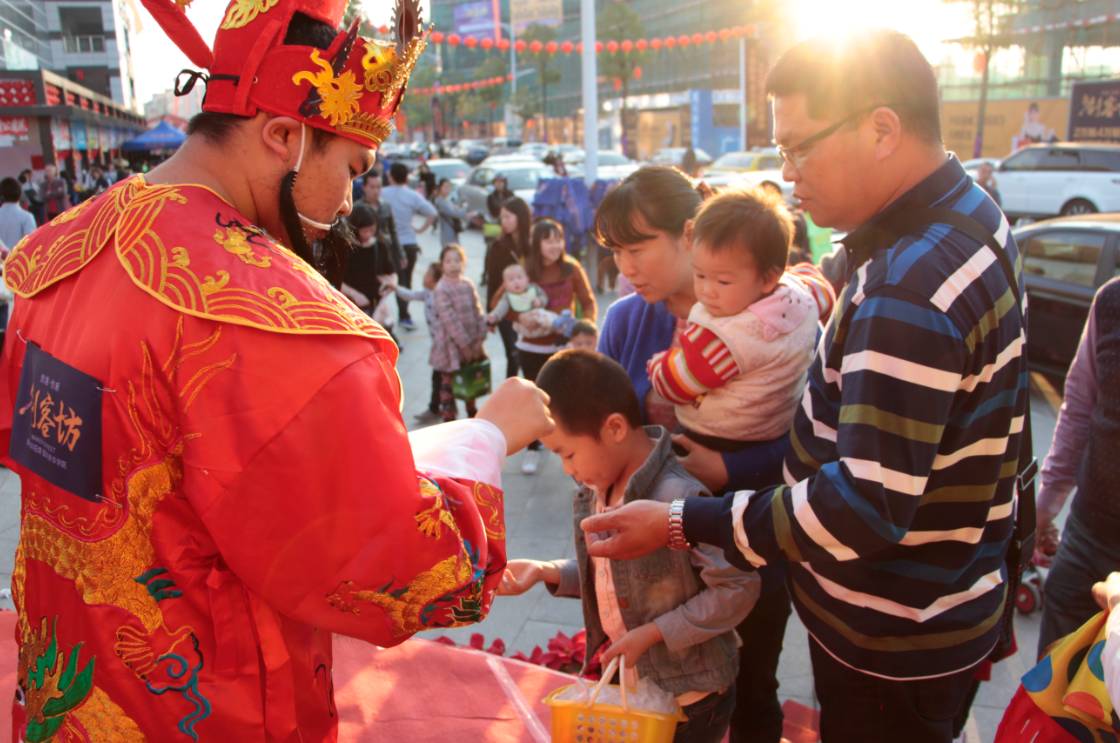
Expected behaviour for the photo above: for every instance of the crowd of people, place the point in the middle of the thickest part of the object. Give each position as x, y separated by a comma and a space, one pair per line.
749, 433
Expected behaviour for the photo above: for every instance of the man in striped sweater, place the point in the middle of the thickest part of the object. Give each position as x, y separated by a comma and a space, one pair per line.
897, 507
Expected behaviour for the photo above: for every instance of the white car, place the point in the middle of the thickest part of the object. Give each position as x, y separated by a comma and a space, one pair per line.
522, 176
612, 166
1069, 178
750, 179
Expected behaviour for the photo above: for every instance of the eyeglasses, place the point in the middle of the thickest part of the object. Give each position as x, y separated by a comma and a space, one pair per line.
797, 154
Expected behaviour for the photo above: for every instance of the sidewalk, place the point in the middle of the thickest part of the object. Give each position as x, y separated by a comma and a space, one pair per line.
539, 525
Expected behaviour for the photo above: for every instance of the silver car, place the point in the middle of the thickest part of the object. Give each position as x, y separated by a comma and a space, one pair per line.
522, 176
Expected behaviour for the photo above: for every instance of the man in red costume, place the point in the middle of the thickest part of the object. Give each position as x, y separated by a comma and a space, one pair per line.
215, 475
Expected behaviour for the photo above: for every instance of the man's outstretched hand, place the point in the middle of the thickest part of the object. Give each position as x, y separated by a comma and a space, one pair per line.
634, 530
520, 411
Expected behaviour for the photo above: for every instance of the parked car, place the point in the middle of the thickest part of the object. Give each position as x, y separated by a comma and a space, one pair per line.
973, 165
473, 151
1065, 261
535, 149
523, 176
674, 155
612, 165
741, 162
1050, 179
750, 179
451, 168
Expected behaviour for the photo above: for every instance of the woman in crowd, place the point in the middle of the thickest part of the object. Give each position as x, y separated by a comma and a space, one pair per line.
451, 215
642, 222
511, 247
565, 284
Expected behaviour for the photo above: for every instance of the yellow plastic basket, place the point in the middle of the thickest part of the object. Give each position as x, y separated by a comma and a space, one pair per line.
575, 721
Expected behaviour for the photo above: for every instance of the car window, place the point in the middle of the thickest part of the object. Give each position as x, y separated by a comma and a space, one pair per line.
770, 162
525, 178
482, 177
1025, 160
1060, 159
611, 158
1069, 256
734, 160
1106, 160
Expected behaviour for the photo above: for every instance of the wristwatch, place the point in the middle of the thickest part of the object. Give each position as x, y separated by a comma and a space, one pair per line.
676, 526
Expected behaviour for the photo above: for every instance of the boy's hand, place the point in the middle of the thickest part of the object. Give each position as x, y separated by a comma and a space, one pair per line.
521, 575
634, 644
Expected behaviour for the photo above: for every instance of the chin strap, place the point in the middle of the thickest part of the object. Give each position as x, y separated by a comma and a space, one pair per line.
299, 161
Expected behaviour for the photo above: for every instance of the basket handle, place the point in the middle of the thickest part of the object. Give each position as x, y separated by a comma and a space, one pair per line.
617, 663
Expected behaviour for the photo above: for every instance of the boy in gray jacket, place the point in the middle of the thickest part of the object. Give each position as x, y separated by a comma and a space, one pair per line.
672, 614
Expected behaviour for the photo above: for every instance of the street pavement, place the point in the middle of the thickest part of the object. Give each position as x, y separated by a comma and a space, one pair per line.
539, 525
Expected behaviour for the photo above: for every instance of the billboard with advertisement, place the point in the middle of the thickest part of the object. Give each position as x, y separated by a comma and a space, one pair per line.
1009, 125
78, 135
60, 134
1094, 112
525, 13
475, 18
14, 129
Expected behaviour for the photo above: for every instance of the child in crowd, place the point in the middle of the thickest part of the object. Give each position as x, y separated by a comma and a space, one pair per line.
740, 369
522, 302
671, 614
370, 277
458, 326
426, 294
585, 336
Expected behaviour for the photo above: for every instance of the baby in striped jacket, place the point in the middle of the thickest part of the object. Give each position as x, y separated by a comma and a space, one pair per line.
736, 372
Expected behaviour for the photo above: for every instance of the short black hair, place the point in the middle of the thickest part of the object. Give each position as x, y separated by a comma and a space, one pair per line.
362, 215
752, 220
664, 196
302, 31
877, 67
398, 173
10, 190
584, 327
567, 378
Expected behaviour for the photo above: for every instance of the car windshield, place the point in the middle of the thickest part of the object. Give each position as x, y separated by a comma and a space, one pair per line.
612, 158
525, 178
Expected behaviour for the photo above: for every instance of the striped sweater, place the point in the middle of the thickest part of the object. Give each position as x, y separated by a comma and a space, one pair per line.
897, 508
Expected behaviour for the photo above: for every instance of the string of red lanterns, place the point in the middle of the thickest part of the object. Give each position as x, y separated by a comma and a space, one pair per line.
488, 82
625, 46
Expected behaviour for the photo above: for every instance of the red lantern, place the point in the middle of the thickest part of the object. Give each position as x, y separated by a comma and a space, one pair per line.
684, 40
384, 30
503, 44
617, 84
519, 46
725, 34
751, 31
637, 73
612, 47
698, 38
487, 43
470, 42
979, 62
567, 47
655, 44
711, 37
641, 45
670, 42
509, 76
535, 47
437, 37
599, 47
551, 47
453, 39
626, 46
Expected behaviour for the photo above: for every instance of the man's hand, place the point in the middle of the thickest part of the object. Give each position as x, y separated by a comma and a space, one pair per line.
521, 575
634, 644
705, 464
1107, 592
634, 530
520, 411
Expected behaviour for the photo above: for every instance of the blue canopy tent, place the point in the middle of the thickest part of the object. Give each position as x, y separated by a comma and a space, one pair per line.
162, 136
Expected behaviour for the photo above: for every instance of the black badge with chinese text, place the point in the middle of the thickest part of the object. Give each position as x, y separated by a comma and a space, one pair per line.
56, 429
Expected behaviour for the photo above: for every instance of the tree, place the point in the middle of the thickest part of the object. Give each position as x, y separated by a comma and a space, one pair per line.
617, 20
496, 65
987, 16
544, 65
